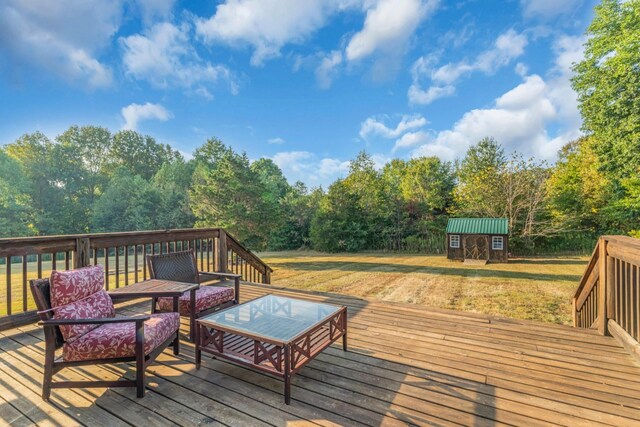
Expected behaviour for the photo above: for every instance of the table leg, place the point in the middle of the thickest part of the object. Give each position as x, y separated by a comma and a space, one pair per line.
198, 351
344, 328
287, 375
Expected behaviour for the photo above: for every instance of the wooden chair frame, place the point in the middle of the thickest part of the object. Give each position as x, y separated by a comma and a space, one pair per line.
198, 277
54, 340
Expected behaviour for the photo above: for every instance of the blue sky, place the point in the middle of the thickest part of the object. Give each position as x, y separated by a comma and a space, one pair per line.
307, 83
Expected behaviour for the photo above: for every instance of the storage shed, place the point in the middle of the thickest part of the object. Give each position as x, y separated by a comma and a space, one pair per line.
478, 239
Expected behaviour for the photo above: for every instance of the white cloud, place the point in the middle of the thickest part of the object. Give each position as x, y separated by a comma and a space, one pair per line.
387, 27
63, 38
418, 95
164, 56
155, 10
307, 167
507, 47
134, 113
411, 139
520, 119
276, 140
375, 127
266, 25
328, 68
548, 9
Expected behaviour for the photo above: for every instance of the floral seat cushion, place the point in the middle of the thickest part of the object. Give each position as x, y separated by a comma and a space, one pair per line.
119, 339
206, 298
79, 294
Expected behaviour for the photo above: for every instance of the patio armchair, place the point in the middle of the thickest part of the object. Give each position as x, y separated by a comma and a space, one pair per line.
78, 316
182, 266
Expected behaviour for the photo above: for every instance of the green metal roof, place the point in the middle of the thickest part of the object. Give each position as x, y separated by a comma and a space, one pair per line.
478, 226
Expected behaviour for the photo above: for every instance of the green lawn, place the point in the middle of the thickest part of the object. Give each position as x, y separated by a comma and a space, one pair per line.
534, 288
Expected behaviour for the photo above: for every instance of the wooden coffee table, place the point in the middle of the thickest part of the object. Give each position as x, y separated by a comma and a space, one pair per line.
274, 334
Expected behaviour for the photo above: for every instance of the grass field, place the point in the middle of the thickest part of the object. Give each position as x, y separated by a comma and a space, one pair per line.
534, 288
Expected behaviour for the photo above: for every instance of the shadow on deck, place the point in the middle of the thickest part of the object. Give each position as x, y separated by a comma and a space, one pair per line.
407, 365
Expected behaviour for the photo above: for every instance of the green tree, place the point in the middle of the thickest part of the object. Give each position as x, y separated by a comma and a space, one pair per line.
298, 206
139, 154
173, 182
16, 210
339, 223
129, 203
226, 193
607, 82
479, 174
578, 191
90, 147
33, 152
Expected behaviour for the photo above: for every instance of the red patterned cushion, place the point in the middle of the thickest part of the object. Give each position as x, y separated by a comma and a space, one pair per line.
79, 294
70, 286
119, 339
206, 298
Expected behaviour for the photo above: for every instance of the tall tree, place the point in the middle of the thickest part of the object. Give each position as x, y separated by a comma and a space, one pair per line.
226, 193
129, 203
173, 181
16, 210
139, 154
607, 82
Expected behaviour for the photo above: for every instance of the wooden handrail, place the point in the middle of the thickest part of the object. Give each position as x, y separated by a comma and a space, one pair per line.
123, 255
609, 292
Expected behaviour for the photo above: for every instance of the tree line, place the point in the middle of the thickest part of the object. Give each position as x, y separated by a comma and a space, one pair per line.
91, 180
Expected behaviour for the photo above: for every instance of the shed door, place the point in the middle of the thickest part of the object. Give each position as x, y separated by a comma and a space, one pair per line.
476, 247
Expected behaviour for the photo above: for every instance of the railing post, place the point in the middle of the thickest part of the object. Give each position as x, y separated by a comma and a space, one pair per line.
574, 303
611, 289
82, 255
222, 252
603, 291
266, 278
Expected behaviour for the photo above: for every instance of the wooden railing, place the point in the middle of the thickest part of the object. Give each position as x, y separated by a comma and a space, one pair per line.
123, 256
608, 297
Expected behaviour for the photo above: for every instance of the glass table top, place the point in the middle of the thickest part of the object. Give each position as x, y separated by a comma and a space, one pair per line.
273, 317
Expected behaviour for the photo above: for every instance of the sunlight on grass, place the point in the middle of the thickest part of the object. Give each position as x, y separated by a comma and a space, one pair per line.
533, 289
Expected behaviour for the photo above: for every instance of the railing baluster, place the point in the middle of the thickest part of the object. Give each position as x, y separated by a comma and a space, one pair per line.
106, 267
126, 265
24, 283
144, 261
8, 277
39, 266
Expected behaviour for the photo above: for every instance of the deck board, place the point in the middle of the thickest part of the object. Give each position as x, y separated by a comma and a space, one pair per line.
407, 365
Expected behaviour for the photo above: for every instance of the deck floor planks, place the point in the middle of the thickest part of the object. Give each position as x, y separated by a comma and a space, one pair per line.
408, 364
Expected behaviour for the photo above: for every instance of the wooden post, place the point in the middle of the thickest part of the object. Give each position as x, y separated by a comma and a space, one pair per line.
222, 252
611, 289
575, 313
266, 278
82, 258
602, 288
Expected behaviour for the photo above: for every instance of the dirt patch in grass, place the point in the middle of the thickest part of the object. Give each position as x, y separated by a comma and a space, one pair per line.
535, 289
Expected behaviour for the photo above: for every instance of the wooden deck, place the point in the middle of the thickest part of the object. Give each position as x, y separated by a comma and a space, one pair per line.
407, 365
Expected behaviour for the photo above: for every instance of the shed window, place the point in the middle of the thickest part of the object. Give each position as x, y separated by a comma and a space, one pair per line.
454, 241
497, 243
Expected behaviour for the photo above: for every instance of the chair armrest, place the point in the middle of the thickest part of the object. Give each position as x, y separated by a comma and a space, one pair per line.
220, 275
103, 321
